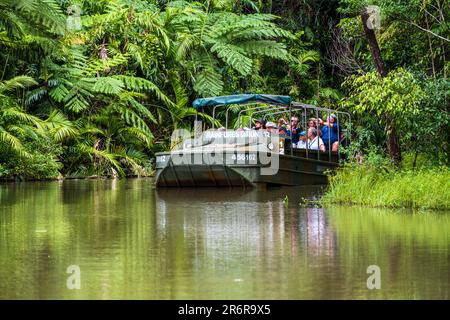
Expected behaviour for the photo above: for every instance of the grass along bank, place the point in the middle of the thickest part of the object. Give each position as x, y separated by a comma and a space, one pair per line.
372, 186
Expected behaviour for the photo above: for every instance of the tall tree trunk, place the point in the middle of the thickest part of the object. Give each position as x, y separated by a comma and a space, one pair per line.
433, 68
373, 43
393, 144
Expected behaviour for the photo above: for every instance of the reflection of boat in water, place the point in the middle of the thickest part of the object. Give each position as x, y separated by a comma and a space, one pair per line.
227, 158
215, 222
178, 196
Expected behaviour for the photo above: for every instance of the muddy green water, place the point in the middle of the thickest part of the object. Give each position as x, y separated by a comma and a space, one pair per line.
131, 241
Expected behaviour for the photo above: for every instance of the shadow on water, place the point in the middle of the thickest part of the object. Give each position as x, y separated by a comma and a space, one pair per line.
240, 194
134, 242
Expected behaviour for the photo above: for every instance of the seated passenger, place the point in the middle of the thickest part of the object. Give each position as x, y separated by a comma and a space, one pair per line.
330, 132
271, 127
314, 142
314, 123
259, 124
282, 125
293, 130
301, 144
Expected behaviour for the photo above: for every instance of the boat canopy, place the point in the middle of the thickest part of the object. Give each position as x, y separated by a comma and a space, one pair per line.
240, 99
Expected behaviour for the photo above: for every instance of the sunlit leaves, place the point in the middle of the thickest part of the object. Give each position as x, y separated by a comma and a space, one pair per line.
225, 39
397, 94
106, 85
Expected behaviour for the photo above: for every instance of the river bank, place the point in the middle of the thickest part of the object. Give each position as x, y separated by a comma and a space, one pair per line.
366, 185
61, 177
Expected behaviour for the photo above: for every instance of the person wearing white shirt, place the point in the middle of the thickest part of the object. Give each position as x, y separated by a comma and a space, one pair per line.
301, 144
314, 142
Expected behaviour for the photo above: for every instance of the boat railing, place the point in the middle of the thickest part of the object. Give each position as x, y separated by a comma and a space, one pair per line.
256, 109
307, 112
271, 110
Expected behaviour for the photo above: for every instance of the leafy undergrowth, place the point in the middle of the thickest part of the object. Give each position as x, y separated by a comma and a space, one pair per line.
368, 185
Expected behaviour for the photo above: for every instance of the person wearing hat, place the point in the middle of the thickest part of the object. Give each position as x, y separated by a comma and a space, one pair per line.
271, 127
259, 124
329, 131
302, 138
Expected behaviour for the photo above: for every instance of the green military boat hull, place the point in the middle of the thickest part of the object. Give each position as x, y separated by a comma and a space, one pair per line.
247, 170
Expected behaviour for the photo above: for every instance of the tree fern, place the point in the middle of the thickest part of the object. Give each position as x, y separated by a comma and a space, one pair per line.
234, 57
32, 15
12, 142
105, 85
59, 127
226, 38
18, 82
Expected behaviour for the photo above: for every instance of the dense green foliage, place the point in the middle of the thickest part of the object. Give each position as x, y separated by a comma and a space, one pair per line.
96, 87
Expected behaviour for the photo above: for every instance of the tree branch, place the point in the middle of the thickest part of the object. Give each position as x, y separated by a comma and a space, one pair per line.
429, 31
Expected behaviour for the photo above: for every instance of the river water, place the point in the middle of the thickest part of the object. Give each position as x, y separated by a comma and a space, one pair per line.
130, 241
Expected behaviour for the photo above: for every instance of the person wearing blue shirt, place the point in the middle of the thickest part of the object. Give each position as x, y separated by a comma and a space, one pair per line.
329, 131
293, 128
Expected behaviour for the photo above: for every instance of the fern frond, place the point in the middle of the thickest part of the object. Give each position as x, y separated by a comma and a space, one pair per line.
59, 93
139, 134
13, 143
60, 127
185, 43
75, 101
181, 98
109, 158
35, 96
19, 82
105, 85
266, 48
139, 85
233, 56
141, 109
208, 83
15, 113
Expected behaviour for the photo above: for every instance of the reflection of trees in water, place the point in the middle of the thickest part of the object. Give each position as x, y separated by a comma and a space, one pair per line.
173, 246
266, 243
32, 230
190, 245
105, 226
228, 229
320, 239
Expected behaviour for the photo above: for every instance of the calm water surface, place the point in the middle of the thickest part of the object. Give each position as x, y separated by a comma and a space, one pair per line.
134, 242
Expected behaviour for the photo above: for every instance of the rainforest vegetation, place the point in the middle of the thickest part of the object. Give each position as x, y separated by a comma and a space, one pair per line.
95, 87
